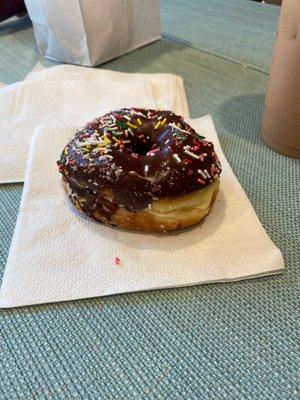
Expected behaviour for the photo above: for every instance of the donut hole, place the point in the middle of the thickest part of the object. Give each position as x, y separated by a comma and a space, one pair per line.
142, 148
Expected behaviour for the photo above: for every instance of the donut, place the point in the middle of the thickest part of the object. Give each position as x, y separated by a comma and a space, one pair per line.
141, 169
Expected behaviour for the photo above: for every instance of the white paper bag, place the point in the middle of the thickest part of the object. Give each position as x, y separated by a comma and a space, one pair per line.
90, 32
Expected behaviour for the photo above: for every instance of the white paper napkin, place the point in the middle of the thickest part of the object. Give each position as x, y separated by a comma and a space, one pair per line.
57, 254
167, 89
73, 97
26, 105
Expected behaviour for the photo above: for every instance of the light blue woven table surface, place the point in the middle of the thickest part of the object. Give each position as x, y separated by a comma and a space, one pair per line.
222, 341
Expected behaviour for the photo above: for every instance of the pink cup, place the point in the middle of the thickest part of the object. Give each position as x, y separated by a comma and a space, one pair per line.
281, 121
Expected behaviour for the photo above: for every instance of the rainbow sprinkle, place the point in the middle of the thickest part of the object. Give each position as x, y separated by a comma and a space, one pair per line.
176, 158
131, 125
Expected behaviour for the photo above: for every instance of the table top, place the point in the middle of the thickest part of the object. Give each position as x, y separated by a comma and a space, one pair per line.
233, 340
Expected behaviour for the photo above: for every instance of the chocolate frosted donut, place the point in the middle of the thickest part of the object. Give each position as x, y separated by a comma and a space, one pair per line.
141, 169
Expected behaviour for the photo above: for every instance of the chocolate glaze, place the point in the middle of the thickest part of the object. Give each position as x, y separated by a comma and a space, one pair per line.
139, 164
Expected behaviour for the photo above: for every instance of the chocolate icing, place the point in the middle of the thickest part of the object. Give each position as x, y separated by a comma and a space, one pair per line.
141, 155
